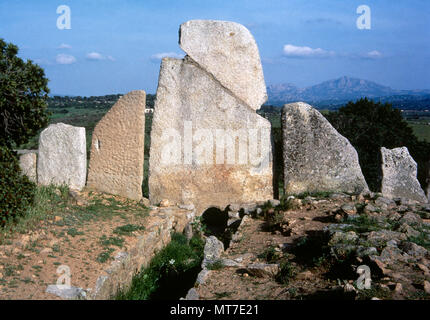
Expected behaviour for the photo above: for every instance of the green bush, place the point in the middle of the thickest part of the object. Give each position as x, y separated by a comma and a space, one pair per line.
370, 126
16, 191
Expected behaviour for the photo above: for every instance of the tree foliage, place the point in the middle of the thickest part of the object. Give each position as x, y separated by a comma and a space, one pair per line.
23, 96
370, 126
16, 191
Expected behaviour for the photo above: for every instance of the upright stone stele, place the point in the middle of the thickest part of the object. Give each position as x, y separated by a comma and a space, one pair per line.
28, 163
117, 149
399, 175
208, 145
62, 156
316, 157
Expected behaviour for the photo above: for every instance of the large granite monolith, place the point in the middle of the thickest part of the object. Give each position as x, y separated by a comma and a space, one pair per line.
62, 158
316, 157
208, 145
399, 175
117, 149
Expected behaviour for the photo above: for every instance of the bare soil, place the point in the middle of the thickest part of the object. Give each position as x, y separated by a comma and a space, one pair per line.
79, 235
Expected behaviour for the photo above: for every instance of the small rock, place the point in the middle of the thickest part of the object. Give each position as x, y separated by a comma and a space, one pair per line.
164, 203
427, 286
379, 266
338, 196
399, 288
413, 249
144, 201
66, 292
370, 208
192, 295
274, 202
212, 251
234, 215
262, 269
402, 209
385, 203
349, 288
306, 275
349, 209
189, 207
423, 268
231, 263
411, 218
202, 276
408, 230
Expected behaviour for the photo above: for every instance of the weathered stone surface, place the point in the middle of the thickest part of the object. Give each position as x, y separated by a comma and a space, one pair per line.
316, 157
228, 51
62, 156
192, 157
66, 292
212, 251
399, 175
262, 269
117, 150
28, 163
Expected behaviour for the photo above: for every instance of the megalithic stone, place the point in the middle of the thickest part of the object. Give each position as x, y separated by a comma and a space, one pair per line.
117, 148
316, 157
208, 145
62, 158
399, 175
227, 51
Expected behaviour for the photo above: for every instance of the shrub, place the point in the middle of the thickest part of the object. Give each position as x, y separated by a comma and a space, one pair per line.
16, 191
370, 126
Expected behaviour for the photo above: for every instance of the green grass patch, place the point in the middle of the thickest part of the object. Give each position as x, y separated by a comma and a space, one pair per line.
111, 241
105, 255
170, 271
128, 229
216, 265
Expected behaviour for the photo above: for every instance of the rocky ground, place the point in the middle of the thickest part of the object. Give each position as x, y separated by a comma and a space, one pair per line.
310, 248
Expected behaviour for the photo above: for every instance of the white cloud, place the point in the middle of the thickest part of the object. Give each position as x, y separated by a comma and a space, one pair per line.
159, 56
305, 52
65, 59
95, 56
64, 46
375, 54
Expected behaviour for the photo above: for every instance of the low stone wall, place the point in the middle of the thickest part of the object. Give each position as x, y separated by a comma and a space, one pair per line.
158, 228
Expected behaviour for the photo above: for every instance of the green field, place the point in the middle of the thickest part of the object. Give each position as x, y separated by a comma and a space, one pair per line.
422, 131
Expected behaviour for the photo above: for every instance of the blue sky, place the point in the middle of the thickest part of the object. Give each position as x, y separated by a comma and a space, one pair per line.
115, 46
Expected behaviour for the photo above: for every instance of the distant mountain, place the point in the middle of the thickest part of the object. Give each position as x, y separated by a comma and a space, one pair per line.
334, 91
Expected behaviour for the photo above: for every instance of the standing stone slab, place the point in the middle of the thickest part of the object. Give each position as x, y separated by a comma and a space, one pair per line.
208, 147
117, 150
62, 156
316, 157
28, 163
399, 175
227, 51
